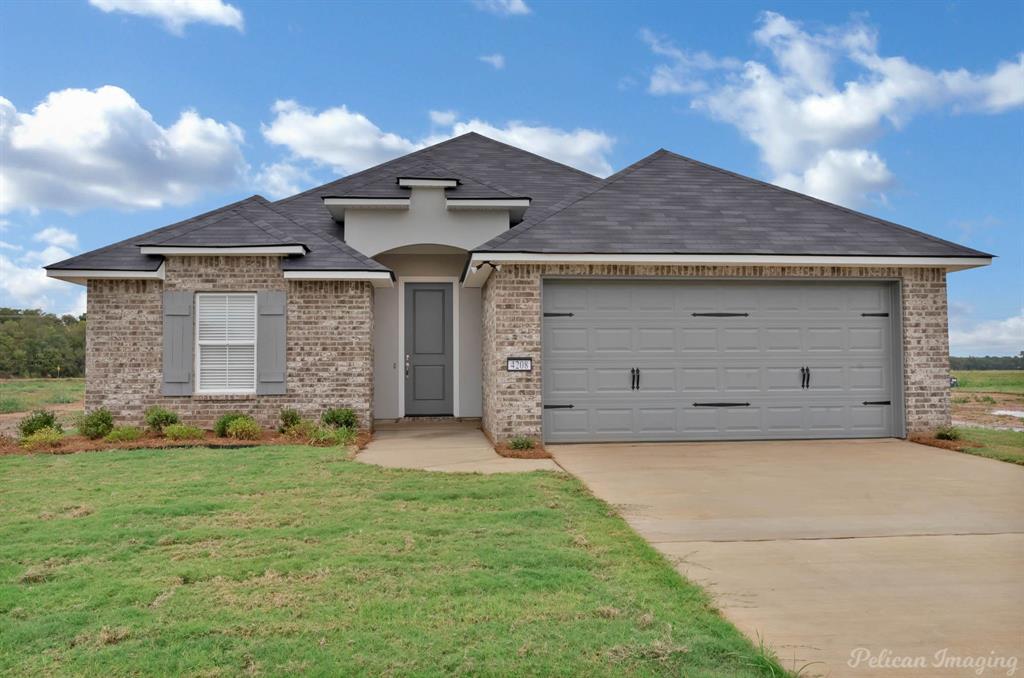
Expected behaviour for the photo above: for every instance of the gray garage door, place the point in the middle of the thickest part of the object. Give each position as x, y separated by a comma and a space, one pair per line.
712, 360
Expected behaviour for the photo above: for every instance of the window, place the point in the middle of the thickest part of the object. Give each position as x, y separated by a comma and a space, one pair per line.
226, 343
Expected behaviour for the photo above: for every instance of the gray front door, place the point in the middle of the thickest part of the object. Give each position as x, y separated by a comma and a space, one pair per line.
428, 349
706, 360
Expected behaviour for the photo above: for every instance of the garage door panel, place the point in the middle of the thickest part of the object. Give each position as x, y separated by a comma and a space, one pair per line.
685, 359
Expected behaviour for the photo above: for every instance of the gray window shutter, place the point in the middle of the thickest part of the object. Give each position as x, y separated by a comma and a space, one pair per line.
271, 340
179, 343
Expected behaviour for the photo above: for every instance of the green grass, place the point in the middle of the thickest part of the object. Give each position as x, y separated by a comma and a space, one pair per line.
1002, 445
294, 560
24, 395
993, 381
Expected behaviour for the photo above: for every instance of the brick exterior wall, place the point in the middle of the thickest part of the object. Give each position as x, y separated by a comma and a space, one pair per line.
512, 327
330, 342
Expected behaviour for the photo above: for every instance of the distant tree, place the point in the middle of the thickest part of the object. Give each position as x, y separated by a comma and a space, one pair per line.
989, 362
38, 344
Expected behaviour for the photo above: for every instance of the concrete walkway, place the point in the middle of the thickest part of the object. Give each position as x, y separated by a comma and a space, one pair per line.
452, 447
823, 547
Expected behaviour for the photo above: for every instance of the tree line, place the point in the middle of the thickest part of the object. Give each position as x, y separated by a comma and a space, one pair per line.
38, 344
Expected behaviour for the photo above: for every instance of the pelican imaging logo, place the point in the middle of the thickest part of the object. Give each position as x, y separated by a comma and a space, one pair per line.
997, 664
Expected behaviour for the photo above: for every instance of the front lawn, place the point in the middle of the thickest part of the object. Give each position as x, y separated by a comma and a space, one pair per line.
294, 560
1002, 445
991, 381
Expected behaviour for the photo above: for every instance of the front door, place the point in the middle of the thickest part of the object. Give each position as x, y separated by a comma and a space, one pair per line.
428, 349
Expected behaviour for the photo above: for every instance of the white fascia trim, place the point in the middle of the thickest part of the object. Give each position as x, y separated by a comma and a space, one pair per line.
378, 278
79, 276
475, 278
369, 203
170, 250
410, 182
482, 204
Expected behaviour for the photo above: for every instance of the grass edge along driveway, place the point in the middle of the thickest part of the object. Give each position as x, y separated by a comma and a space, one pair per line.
294, 560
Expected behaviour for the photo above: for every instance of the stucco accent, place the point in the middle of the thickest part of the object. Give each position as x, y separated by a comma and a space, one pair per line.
330, 355
512, 327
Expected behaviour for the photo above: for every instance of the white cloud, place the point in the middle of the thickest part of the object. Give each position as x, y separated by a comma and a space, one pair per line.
348, 141
443, 118
177, 14
496, 60
99, 148
990, 337
503, 7
23, 282
813, 125
281, 179
58, 237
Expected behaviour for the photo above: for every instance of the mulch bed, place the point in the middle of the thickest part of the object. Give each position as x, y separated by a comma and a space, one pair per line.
538, 452
955, 445
75, 444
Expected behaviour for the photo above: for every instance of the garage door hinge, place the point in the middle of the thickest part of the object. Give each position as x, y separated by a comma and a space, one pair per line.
877, 402
720, 315
559, 315
874, 315
559, 407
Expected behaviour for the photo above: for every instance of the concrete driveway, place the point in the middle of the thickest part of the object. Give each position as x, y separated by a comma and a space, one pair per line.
824, 547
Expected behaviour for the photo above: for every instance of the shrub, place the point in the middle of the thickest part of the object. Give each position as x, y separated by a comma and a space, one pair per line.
947, 433
48, 436
521, 443
342, 417
321, 436
221, 426
95, 424
123, 434
157, 417
301, 430
183, 432
38, 420
345, 436
289, 419
244, 428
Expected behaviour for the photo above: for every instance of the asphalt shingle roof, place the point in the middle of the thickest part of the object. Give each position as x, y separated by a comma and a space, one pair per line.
670, 204
663, 204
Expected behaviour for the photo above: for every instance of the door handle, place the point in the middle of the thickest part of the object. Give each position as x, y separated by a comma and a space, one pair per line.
632, 378
638, 378
407, 365
808, 377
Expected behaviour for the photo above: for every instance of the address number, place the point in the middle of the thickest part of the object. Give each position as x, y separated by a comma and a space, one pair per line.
520, 364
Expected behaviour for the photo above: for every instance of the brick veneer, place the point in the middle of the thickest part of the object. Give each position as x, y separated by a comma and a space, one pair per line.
512, 327
330, 342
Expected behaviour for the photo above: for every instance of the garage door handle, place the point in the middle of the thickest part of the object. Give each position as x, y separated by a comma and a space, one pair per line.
877, 402
632, 378
559, 407
638, 378
721, 404
720, 315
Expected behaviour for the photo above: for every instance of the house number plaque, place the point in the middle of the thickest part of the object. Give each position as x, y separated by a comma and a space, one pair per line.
520, 364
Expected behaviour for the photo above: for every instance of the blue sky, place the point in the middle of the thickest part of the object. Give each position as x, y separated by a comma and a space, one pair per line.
119, 116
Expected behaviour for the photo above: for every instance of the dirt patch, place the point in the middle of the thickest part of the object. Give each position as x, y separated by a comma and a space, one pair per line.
979, 409
955, 445
538, 452
75, 444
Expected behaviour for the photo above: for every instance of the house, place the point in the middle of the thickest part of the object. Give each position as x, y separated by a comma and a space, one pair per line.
671, 301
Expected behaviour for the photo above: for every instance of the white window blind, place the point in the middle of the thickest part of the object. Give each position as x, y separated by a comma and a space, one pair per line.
226, 342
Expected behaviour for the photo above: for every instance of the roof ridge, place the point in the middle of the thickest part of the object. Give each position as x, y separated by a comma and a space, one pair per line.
374, 167
826, 203
536, 155
572, 200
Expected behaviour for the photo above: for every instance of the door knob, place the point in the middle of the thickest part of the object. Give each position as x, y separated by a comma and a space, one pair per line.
407, 364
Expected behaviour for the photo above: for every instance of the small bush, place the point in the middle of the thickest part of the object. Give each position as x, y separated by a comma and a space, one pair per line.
95, 424
244, 428
345, 436
183, 432
123, 434
289, 419
157, 417
947, 433
302, 430
38, 420
47, 436
221, 426
521, 443
321, 436
342, 417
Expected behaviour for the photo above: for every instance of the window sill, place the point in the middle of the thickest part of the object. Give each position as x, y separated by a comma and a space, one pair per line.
224, 396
